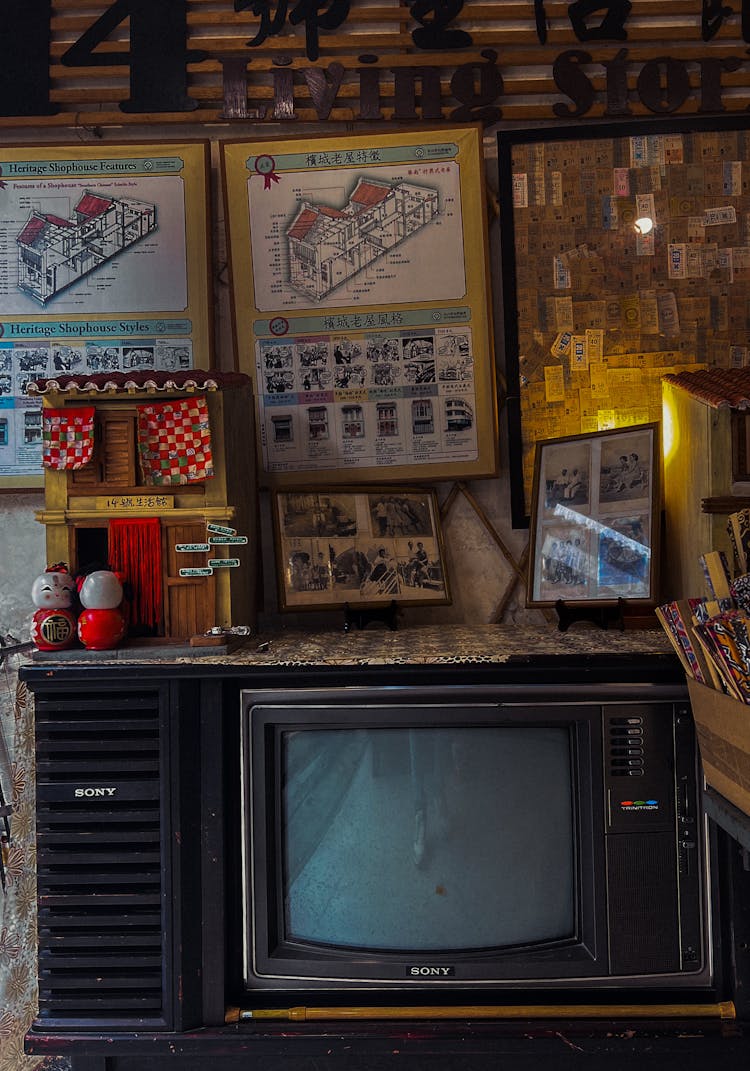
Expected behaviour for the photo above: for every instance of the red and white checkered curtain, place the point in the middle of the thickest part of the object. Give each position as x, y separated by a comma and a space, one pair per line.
174, 440
67, 437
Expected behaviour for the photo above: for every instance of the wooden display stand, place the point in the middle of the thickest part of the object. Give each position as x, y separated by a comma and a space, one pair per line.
79, 504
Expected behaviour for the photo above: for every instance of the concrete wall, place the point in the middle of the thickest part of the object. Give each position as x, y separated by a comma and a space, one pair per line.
478, 571
22, 559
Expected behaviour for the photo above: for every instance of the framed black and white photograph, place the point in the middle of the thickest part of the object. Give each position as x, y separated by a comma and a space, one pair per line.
360, 547
594, 525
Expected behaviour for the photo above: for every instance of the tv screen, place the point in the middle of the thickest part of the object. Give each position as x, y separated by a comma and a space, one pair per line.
398, 839
402, 837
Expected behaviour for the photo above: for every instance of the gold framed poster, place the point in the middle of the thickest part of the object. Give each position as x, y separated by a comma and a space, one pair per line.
358, 547
360, 288
100, 272
595, 518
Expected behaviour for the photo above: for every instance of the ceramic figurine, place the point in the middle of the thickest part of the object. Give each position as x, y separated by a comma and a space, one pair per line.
101, 624
53, 626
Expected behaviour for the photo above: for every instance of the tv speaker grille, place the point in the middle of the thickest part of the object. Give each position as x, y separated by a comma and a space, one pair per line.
100, 881
642, 903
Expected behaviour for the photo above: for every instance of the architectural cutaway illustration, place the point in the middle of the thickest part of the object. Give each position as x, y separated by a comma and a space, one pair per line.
328, 245
54, 252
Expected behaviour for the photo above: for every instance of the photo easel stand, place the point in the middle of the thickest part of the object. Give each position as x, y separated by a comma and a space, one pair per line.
609, 615
362, 618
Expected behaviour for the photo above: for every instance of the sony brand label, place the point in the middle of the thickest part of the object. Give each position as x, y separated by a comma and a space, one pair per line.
94, 793
430, 972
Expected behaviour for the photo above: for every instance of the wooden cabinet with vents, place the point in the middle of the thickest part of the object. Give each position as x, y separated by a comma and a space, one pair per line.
143, 833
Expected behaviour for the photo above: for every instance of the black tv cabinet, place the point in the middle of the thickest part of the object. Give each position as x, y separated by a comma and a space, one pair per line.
135, 895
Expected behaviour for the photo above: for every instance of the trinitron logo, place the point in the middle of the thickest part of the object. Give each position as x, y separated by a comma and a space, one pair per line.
639, 805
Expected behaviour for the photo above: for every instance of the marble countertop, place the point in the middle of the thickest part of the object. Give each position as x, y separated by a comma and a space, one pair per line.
451, 644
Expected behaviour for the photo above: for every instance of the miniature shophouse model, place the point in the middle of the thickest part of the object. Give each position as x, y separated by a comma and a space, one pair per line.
152, 474
327, 245
54, 252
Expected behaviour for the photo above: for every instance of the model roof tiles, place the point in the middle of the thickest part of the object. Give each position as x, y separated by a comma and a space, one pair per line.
302, 224
57, 221
92, 205
33, 229
111, 382
368, 194
365, 195
717, 387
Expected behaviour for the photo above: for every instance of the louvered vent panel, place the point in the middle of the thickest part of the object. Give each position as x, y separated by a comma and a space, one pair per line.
87, 476
99, 873
118, 451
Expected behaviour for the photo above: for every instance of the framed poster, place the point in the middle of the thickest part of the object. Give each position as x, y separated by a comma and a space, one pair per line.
361, 304
595, 513
360, 547
624, 256
100, 271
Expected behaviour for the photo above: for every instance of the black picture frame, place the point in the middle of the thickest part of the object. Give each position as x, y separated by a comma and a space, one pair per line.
359, 547
520, 460
595, 518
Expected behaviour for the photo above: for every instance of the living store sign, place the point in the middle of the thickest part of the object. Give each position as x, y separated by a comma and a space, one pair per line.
159, 52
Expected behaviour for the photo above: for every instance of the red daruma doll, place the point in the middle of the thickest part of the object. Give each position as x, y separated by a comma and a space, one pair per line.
101, 624
53, 626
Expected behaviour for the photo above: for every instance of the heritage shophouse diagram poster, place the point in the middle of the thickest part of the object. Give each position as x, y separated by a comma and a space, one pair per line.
98, 273
360, 304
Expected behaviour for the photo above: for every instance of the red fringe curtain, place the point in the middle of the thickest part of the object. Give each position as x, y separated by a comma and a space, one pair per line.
134, 551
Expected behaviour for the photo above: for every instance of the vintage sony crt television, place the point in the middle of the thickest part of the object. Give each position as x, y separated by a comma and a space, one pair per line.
458, 839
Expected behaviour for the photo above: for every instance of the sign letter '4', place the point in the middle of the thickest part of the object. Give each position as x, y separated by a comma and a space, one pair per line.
24, 57
158, 55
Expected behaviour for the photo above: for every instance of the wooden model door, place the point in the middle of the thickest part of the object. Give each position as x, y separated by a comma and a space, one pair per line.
189, 602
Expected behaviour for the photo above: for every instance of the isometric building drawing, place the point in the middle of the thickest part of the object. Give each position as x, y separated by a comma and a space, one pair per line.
329, 245
422, 418
387, 418
353, 421
283, 428
54, 252
458, 414
318, 422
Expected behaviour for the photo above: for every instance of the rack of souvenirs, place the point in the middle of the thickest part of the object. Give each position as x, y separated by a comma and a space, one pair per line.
711, 637
711, 634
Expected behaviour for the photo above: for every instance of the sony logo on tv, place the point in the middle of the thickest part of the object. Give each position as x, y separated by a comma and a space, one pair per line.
90, 793
430, 972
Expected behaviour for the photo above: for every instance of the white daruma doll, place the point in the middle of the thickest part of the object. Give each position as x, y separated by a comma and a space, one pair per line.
101, 624
53, 626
